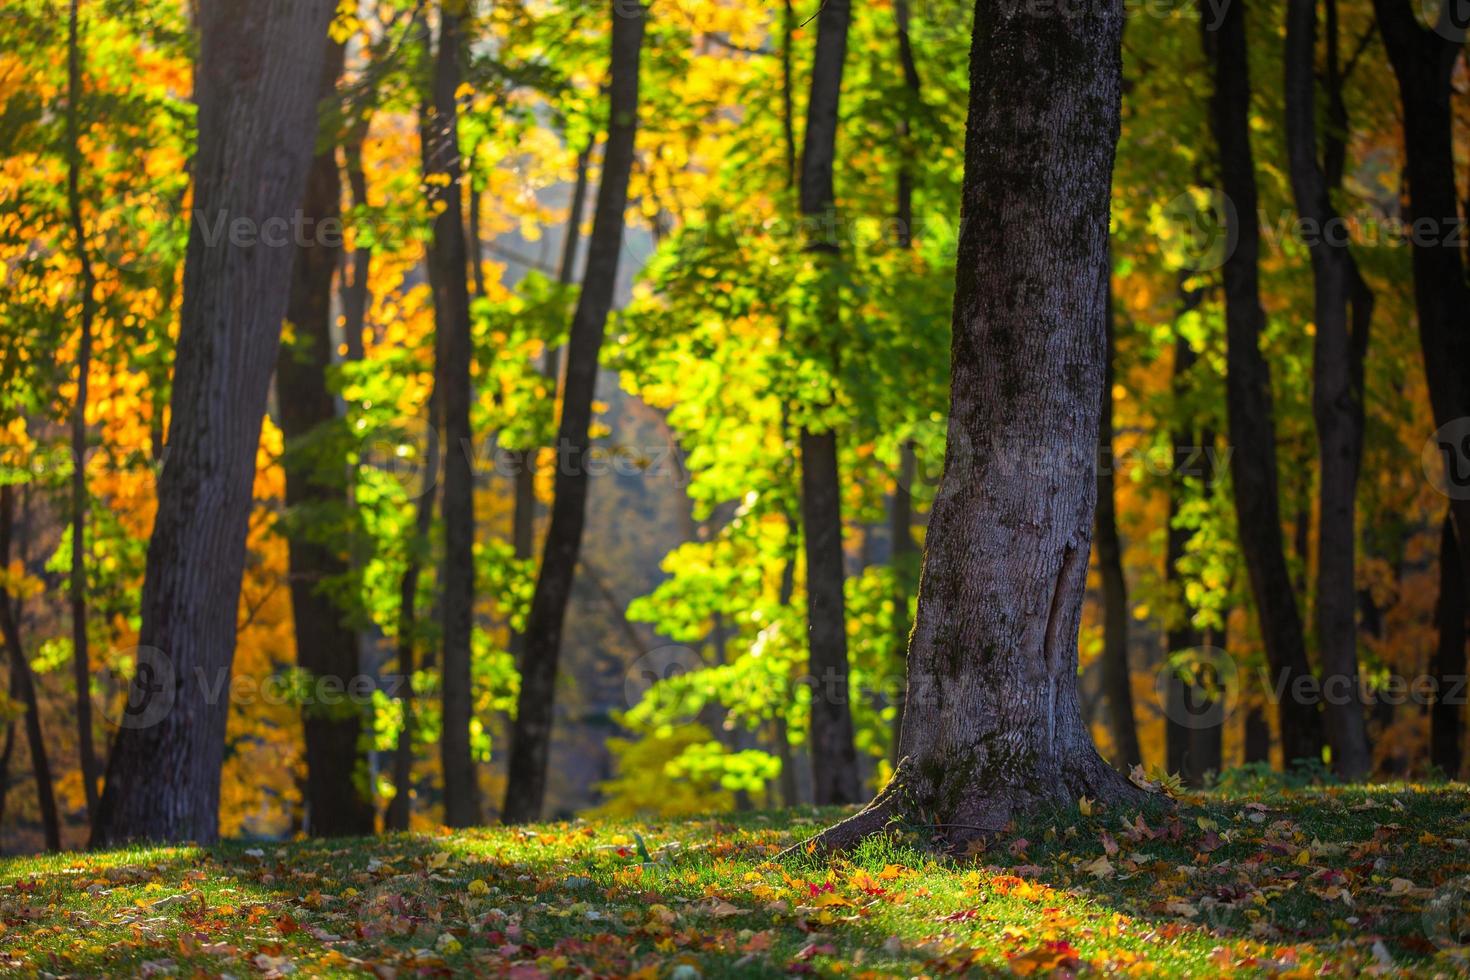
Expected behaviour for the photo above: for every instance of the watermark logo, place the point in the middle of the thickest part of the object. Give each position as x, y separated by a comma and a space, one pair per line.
937, 445
1198, 688
151, 688
404, 451
1446, 919
661, 664
1446, 459
1200, 229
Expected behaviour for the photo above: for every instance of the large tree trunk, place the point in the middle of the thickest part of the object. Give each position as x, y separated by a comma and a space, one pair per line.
834, 758
23, 682
1117, 678
1337, 405
1446, 725
326, 645
531, 736
1424, 60
81, 659
448, 264
259, 68
1248, 392
994, 727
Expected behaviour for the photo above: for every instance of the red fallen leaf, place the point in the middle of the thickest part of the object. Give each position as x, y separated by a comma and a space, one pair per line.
964, 915
1018, 846
1209, 842
286, 924
816, 949
1110, 846
1049, 956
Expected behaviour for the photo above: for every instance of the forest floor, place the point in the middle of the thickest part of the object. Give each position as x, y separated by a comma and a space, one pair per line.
1344, 880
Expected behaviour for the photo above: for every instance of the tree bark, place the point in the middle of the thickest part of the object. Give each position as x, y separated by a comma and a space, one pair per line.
356, 297
1423, 61
259, 68
1248, 391
1337, 405
448, 262
23, 683
81, 659
1446, 725
1117, 678
531, 735
834, 757
995, 728
326, 645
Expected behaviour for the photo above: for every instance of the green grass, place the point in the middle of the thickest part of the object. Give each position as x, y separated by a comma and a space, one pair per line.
1281, 884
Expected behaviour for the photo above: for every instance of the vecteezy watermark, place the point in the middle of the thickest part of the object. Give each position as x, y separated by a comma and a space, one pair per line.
1446, 459
148, 685
661, 664
1198, 688
1446, 919
406, 451
1201, 228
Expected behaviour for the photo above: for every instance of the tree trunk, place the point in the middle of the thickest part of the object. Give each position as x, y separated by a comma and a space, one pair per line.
448, 262
1446, 727
354, 289
81, 659
523, 461
23, 683
1248, 392
531, 736
1337, 406
259, 68
1117, 678
1181, 700
995, 728
326, 645
834, 758
1424, 60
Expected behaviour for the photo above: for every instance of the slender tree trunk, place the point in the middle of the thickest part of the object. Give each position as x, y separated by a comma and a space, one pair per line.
259, 68
1446, 724
995, 728
1424, 60
448, 263
1248, 391
531, 737
1117, 678
326, 645
523, 519
354, 289
1181, 700
834, 758
24, 683
1337, 405
901, 519
81, 660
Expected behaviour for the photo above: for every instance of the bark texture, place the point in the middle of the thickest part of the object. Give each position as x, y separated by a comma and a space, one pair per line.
1248, 389
1337, 404
448, 276
326, 644
531, 735
834, 757
259, 68
994, 726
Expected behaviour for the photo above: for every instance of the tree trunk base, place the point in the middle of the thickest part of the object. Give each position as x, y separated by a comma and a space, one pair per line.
979, 811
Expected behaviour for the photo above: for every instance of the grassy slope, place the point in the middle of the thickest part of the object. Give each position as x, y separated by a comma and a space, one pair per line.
1275, 885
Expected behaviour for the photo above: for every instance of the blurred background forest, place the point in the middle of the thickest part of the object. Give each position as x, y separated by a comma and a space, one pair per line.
680, 687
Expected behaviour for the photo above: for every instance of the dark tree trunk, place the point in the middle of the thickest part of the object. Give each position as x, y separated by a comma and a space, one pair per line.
1117, 678
901, 520
1446, 725
326, 645
354, 289
531, 736
995, 727
448, 262
1257, 736
1182, 706
1337, 405
1248, 392
1424, 60
523, 519
23, 683
259, 68
834, 758
81, 659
